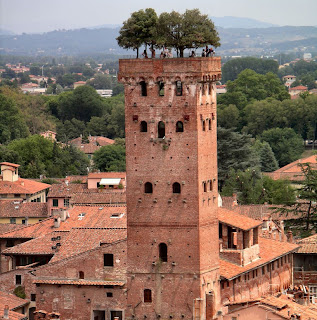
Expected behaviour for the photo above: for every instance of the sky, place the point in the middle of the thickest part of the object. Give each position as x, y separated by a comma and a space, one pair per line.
36, 16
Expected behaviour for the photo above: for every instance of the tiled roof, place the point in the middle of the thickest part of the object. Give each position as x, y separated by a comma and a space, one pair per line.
6, 227
308, 245
254, 211
7, 299
9, 164
81, 282
20, 209
237, 220
81, 240
286, 307
22, 186
99, 198
94, 144
31, 231
63, 190
269, 251
298, 88
106, 175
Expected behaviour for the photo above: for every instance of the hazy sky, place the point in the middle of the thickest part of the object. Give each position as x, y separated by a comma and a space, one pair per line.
41, 16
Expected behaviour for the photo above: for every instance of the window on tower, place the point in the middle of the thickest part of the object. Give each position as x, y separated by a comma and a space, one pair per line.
143, 88
143, 126
161, 88
179, 88
209, 122
161, 130
176, 187
204, 125
163, 252
147, 295
179, 126
205, 186
148, 187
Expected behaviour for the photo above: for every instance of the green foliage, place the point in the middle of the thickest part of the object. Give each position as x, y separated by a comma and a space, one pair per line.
140, 28
50, 181
253, 188
184, 31
110, 158
39, 156
234, 152
12, 123
232, 68
19, 292
285, 143
250, 86
228, 116
101, 81
268, 161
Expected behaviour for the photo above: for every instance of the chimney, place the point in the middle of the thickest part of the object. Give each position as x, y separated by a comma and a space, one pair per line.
290, 236
63, 215
6, 312
235, 200
57, 222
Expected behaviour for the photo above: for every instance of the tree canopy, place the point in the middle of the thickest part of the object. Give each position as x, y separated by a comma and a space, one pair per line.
180, 31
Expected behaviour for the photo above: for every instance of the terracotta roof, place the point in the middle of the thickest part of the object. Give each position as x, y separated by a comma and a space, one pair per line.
298, 88
62, 190
269, 250
83, 239
9, 164
81, 282
22, 186
237, 220
308, 245
99, 198
95, 143
286, 307
31, 231
292, 170
6, 227
106, 175
7, 299
20, 209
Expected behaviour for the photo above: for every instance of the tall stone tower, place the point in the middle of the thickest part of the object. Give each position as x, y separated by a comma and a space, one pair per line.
171, 147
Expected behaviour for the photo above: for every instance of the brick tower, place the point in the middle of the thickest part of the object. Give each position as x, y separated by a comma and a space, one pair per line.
171, 146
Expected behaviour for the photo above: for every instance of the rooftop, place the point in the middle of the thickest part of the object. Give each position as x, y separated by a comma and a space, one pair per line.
308, 245
22, 209
22, 186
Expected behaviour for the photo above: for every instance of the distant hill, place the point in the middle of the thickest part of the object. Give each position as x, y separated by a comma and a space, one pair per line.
236, 22
234, 41
6, 32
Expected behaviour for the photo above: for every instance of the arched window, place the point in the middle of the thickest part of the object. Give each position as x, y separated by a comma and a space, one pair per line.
81, 275
176, 187
179, 126
163, 252
210, 185
143, 88
179, 88
204, 125
143, 126
161, 88
148, 187
147, 295
209, 122
205, 186
161, 130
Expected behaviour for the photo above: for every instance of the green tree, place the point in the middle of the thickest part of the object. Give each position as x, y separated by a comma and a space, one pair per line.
268, 161
285, 143
232, 68
101, 81
140, 28
228, 116
234, 152
12, 122
110, 158
185, 31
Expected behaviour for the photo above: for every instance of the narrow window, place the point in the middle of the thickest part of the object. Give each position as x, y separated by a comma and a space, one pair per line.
148, 187
143, 88
210, 185
220, 231
176, 187
203, 89
33, 297
18, 279
205, 186
209, 88
147, 295
209, 123
81, 275
161, 130
143, 126
204, 125
161, 88
179, 88
55, 202
108, 260
179, 126
163, 252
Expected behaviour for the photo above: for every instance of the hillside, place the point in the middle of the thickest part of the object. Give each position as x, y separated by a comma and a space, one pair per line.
235, 41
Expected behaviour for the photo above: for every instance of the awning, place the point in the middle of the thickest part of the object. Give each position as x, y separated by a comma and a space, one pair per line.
110, 182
